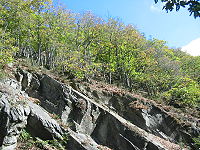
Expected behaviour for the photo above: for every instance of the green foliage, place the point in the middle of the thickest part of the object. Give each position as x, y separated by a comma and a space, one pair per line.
58, 144
24, 136
86, 46
191, 67
197, 142
26, 139
192, 5
29, 142
185, 92
7, 49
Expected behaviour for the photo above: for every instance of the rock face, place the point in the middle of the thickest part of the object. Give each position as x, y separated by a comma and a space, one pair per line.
18, 112
93, 117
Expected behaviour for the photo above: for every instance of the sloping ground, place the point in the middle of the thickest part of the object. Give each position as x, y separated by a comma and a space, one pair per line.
93, 116
160, 120
146, 138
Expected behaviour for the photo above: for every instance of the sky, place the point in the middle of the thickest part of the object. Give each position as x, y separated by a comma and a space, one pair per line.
178, 29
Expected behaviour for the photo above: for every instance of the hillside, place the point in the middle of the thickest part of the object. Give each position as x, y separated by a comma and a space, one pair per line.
86, 46
105, 84
94, 116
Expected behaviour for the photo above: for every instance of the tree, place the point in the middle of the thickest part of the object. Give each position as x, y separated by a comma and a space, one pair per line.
192, 5
184, 93
7, 49
190, 66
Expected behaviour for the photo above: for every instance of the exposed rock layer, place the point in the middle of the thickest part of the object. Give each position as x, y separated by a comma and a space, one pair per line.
94, 117
18, 112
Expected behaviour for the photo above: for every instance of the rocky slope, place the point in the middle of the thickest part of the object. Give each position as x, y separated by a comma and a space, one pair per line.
94, 116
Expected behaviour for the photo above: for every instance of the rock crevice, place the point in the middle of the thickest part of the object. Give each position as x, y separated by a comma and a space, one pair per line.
91, 118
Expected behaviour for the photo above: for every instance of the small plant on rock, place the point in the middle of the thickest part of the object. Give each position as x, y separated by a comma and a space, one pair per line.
197, 142
26, 140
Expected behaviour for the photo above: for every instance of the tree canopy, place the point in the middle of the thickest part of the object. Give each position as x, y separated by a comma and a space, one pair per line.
193, 6
87, 46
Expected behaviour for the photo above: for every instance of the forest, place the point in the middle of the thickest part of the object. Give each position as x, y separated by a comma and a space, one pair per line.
86, 46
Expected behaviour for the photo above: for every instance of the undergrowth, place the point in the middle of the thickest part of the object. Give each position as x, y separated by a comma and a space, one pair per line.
26, 141
197, 142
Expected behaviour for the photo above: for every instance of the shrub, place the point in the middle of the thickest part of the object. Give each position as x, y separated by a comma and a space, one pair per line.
186, 93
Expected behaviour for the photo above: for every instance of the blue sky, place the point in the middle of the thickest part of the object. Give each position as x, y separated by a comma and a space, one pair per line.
177, 28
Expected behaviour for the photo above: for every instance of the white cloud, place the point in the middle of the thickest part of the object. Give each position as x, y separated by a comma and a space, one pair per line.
193, 48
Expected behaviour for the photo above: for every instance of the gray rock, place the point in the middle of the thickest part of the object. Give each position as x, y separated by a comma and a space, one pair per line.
13, 119
29, 82
40, 124
103, 119
17, 113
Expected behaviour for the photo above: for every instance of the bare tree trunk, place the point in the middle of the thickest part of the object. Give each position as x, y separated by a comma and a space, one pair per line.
110, 77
